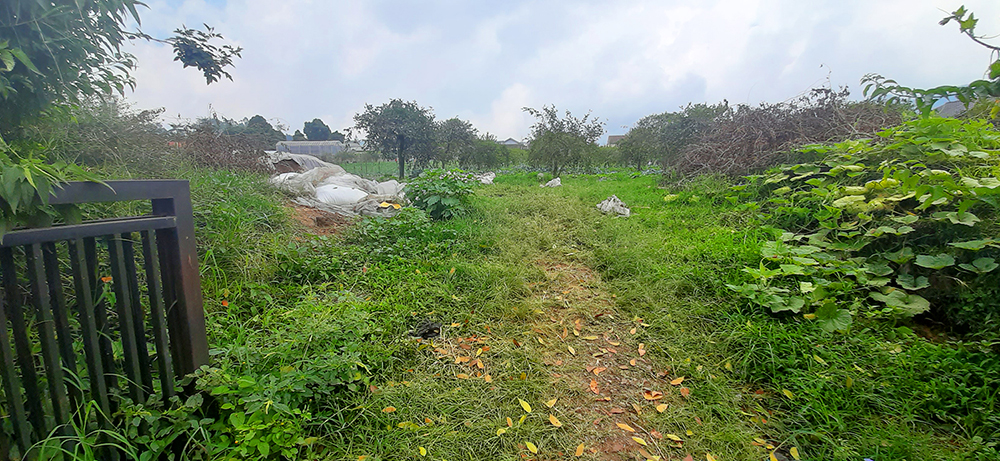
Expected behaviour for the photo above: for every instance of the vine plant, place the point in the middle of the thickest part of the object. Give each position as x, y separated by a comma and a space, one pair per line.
874, 228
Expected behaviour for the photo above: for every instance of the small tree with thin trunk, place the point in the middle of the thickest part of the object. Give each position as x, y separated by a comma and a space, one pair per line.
400, 129
559, 142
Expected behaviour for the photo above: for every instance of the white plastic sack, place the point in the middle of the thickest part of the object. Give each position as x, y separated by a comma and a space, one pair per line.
614, 205
390, 187
553, 183
292, 184
352, 181
339, 195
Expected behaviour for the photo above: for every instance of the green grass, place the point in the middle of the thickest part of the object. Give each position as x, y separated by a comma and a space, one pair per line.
319, 324
372, 170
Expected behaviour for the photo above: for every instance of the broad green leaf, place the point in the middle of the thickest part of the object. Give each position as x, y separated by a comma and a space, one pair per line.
908, 219
848, 200
899, 257
908, 282
935, 262
902, 301
971, 244
980, 265
831, 318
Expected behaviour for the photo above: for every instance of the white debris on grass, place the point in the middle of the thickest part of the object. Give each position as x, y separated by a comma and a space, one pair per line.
614, 205
329, 187
486, 178
553, 183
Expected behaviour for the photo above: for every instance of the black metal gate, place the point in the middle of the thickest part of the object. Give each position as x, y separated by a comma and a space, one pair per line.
97, 311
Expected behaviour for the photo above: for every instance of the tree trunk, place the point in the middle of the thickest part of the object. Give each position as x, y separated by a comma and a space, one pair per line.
399, 156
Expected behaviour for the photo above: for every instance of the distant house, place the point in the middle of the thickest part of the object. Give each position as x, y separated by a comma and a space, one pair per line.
951, 109
614, 138
512, 143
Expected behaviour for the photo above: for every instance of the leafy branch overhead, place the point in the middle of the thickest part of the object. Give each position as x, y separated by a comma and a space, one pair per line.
193, 48
89, 59
877, 87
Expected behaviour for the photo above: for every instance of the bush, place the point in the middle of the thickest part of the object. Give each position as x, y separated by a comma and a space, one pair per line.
442, 194
887, 229
746, 139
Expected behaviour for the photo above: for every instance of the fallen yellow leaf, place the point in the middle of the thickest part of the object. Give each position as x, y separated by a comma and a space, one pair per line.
388, 409
685, 391
788, 394
809, 316
673, 437
709, 457
423, 451
771, 457
488, 378
638, 410
631, 362
677, 382
652, 395
551, 403
593, 387
598, 370
794, 451
661, 407
820, 360
625, 427
555, 421
521, 419
688, 433
639, 441
571, 350
579, 450
479, 352
462, 376
531, 447
510, 423
525, 406
501, 431
590, 338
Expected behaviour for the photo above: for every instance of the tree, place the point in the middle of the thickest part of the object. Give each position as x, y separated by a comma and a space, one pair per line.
338, 136
398, 129
560, 142
316, 130
665, 135
60, 51
455, 137
298, 136
267, 136
485, 153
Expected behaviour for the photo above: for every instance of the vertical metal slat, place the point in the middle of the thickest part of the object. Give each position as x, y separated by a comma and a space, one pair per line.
59, 315
47, 334
88, 326
123, 307
21, 344
101, 318
12, 386
138, 315
157, 317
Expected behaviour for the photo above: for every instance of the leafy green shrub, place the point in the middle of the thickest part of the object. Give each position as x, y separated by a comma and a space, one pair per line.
882, 229
408, 235
27, 181
442, 194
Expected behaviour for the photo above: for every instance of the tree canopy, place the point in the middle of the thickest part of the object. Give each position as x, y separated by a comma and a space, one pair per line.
316, 130
455, 137
663, 136
559, 142
398, 129
60, 51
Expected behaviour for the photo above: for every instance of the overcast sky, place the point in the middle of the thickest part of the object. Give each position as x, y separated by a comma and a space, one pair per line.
484, 60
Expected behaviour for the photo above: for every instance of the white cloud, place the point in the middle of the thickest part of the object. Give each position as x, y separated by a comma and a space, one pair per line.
305, 58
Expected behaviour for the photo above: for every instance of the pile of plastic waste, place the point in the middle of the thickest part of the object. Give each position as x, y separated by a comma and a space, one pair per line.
328, 187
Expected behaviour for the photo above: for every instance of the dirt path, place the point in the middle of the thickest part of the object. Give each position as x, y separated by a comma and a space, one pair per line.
606, 386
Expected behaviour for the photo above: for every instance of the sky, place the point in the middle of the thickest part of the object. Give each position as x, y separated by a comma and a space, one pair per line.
483, 60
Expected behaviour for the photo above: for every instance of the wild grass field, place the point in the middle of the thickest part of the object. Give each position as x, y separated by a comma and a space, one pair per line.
564, 334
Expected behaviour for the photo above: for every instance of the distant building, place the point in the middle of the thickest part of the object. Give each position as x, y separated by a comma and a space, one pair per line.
614, 138
316, 148
951, 109
512, 143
